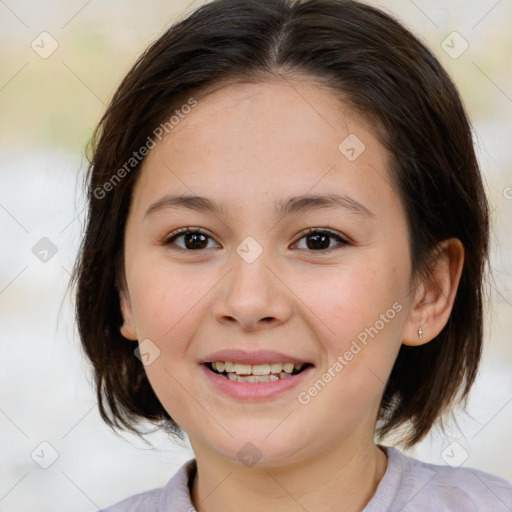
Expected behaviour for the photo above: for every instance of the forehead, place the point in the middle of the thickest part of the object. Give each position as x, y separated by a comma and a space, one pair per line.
270, 139
283, 113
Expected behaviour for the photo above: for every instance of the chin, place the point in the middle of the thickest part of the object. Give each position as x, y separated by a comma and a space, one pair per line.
259, 451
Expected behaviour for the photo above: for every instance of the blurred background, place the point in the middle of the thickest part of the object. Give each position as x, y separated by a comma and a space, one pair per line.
60, 63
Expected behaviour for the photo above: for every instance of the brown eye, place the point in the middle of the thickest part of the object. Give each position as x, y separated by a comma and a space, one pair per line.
317, 240
320, 239
193, 239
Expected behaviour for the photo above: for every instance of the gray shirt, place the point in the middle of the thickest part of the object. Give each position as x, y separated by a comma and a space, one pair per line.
408, 485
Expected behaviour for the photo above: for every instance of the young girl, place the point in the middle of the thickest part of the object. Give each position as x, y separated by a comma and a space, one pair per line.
284, 254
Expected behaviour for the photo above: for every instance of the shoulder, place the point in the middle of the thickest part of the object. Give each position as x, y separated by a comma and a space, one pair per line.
422, 487
143, 502
173, 497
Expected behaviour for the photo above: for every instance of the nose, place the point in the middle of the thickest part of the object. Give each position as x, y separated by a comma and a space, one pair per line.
252, 296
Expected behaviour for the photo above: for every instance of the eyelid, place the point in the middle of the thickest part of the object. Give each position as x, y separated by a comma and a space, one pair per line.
326, 231
183, 231
343, 240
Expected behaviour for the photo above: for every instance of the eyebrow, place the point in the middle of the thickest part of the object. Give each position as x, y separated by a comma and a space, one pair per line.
292, 205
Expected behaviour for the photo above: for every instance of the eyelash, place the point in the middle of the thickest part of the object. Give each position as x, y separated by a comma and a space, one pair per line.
323, 231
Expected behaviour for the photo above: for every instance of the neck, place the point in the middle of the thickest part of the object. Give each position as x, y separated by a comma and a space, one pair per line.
343, 479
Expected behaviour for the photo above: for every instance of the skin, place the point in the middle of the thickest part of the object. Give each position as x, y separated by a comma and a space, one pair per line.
247, 146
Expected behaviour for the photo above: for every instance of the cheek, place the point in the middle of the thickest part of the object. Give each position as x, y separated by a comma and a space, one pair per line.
167, 305
354, 295
363, 316
359, 315
165, 297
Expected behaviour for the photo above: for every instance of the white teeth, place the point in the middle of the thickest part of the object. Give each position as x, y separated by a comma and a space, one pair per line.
276, 367
243, 369
257, 372
260, 369
253, 378
288, 367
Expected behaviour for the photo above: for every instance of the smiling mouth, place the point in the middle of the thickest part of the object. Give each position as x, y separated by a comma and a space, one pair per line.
256, 373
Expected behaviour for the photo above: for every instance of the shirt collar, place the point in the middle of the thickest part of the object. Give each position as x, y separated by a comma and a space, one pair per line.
176, 495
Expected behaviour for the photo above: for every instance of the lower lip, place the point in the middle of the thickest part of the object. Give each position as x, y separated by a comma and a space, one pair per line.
254, 390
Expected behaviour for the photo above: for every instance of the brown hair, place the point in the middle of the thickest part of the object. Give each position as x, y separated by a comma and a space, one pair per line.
392, 80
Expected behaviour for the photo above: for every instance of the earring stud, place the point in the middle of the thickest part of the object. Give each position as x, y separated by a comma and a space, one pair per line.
420, 333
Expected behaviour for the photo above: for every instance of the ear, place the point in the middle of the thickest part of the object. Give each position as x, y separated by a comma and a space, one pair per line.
435, 294
128, 329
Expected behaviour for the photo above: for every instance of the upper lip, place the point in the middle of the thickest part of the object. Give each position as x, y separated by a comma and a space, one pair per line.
255, 357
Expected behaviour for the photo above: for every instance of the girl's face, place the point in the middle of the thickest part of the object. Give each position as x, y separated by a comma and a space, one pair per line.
272, 162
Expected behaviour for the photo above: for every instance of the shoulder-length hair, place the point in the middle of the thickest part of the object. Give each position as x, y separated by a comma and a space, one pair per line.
391, 79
